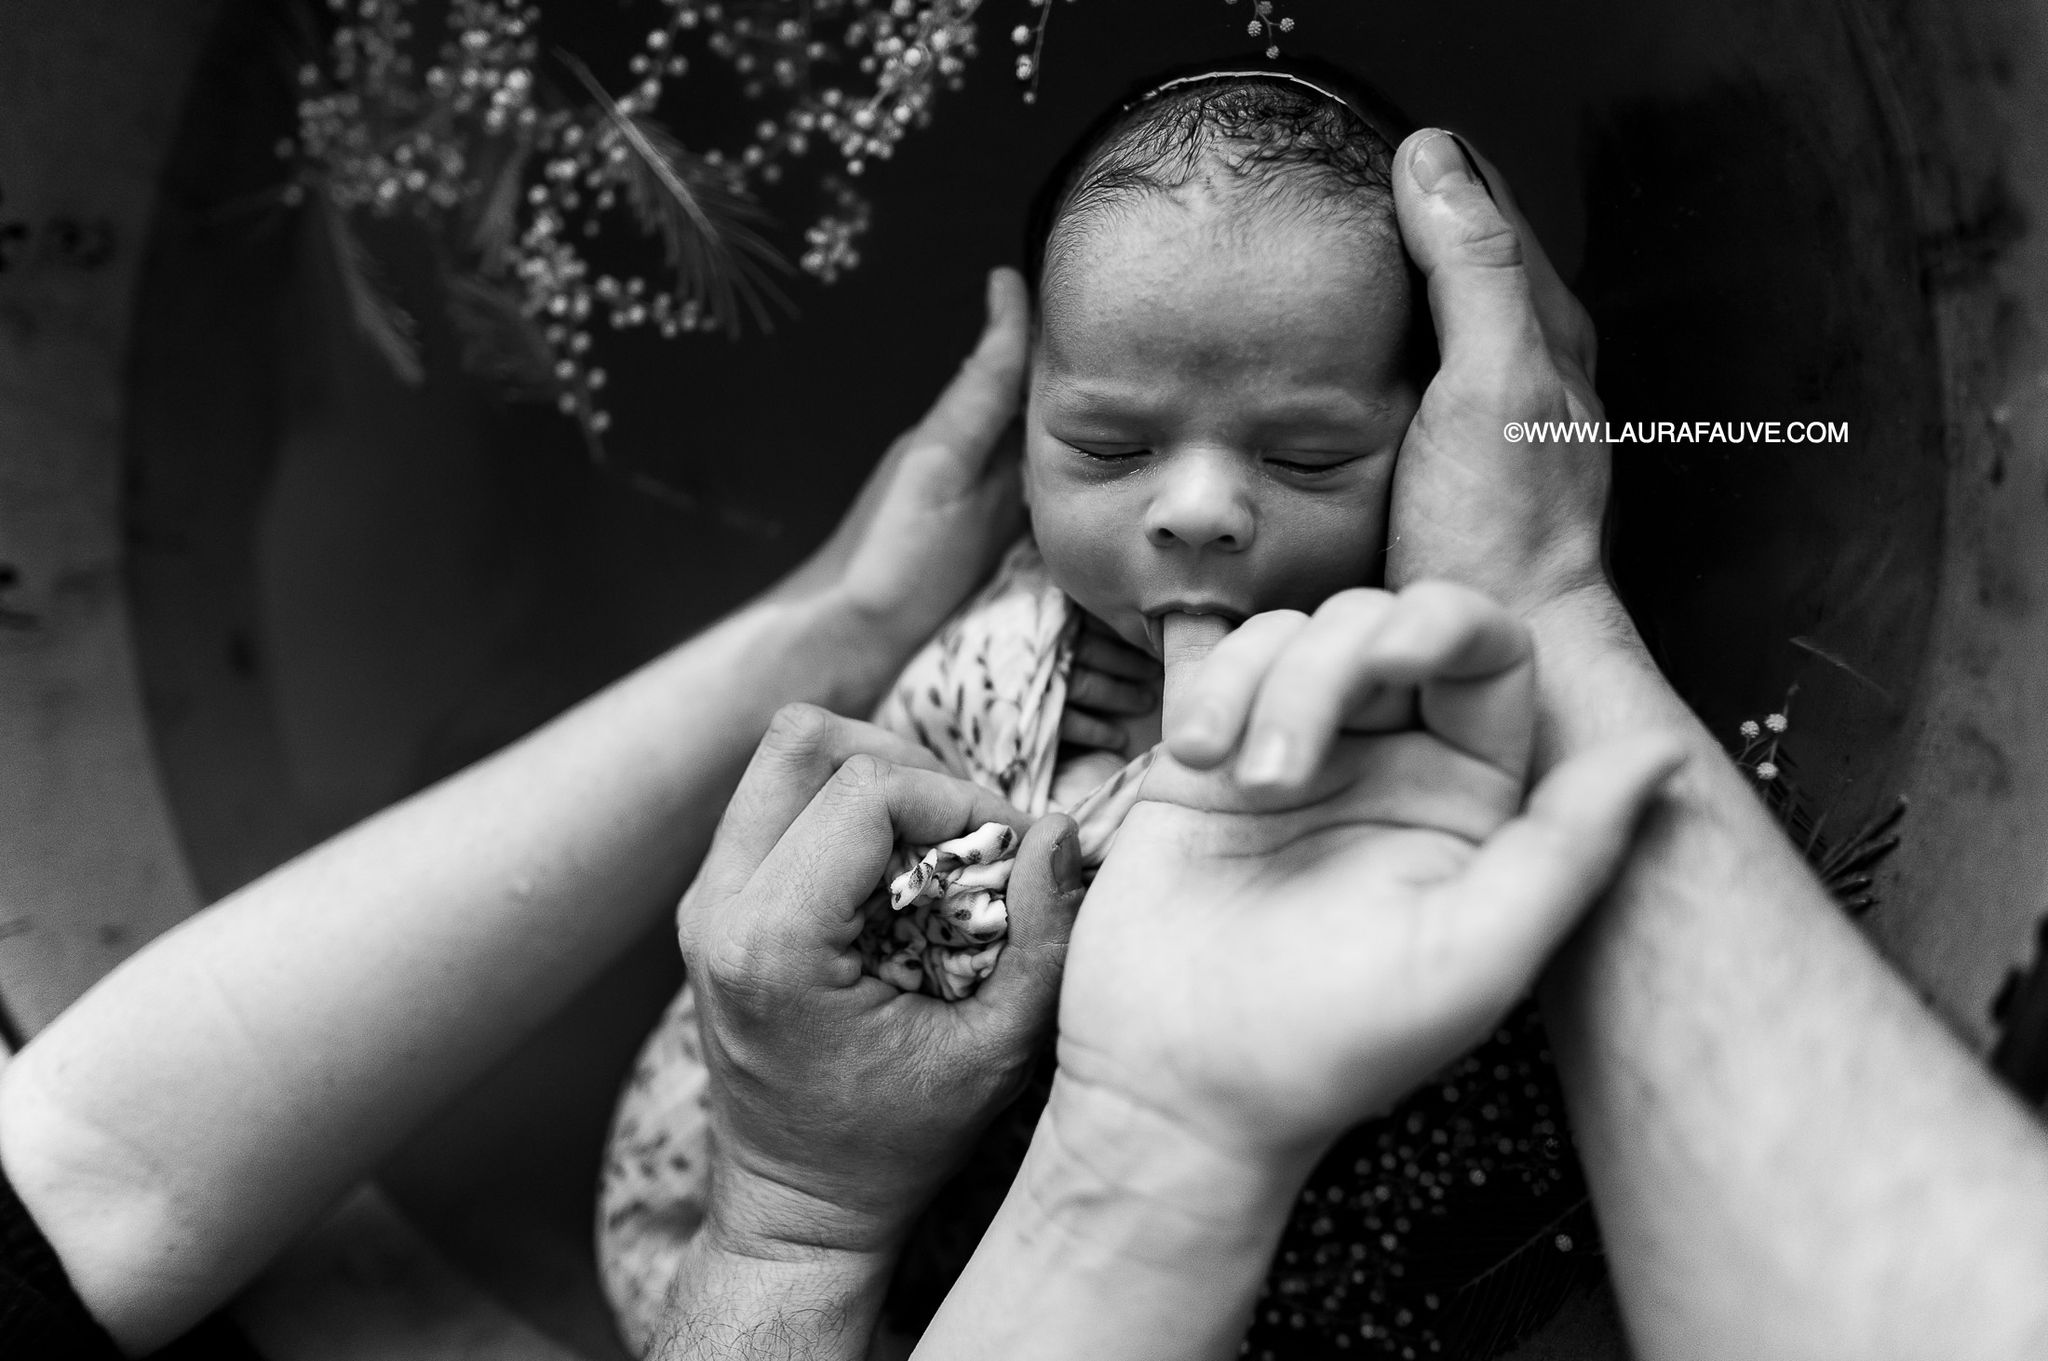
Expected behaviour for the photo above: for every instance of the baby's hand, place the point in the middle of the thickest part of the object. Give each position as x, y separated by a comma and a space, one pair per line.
1111, 683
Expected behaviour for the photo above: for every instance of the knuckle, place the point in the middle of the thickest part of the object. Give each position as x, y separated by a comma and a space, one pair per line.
1277, 622
1438, 596
862, 773
800, 730
1488, 241
1356, 605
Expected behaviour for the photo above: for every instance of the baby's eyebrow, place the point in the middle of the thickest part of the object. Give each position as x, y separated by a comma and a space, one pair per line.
1086, 398
1321, 408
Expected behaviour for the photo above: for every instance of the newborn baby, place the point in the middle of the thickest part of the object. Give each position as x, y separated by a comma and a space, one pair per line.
1228, 349
1224, 366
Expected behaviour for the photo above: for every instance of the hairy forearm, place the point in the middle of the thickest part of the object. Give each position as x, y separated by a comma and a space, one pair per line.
187, 1116
799, 1305
1122, 1236
1791, 1157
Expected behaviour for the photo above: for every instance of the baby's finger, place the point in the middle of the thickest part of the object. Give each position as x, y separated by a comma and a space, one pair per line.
1101, 650
969, 417
1107, 694
803, 748
1086, 730
1315, 688
1210, 684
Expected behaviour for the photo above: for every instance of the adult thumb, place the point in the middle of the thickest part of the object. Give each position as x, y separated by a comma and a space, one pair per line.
1044, 893
970, 416
1537, 875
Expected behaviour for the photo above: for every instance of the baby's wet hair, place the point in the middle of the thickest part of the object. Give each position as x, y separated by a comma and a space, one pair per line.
1302, 136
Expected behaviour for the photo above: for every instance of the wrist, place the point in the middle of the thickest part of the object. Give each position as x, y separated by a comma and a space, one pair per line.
754, 1213
1108, 1169
740, 1292
1125, 1234
1596, 680
831, 653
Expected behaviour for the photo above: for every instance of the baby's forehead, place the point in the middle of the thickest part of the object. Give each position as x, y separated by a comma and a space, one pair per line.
1170, 260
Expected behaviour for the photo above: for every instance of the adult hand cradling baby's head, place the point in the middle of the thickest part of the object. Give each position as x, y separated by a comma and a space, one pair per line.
1521, 522
839, 1104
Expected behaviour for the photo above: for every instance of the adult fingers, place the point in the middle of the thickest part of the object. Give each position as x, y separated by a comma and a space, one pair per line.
1212, 678
1534, 878
1044, 892
1369, 660
809, 889
1313, 687
803, 748
970, 415
1474, 664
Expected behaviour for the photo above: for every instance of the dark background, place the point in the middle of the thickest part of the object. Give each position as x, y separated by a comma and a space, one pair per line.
345, 588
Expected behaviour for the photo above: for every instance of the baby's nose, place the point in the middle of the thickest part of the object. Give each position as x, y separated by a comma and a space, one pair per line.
1201, 502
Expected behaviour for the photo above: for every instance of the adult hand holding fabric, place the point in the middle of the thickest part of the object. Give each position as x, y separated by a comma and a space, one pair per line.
1270, 954
839, 1103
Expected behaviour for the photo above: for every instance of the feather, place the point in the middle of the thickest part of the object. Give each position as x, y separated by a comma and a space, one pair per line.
496, 230
703, 221
378, 318
499, 341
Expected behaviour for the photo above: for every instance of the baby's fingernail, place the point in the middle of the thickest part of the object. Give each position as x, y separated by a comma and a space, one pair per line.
1266, 759
1440, 162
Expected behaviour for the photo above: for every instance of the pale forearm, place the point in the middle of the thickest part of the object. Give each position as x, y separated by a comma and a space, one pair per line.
196, 1109
1121, 1237
1790, 1156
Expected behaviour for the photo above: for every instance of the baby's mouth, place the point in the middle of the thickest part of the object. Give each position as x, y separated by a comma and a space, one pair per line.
1155, 622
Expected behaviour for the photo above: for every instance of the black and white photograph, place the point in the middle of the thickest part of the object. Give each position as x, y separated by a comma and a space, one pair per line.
1023, 680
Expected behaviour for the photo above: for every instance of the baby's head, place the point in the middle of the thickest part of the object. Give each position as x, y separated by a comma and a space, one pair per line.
1228, 349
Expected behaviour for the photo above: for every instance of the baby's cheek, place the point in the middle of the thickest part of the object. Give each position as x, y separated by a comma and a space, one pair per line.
1330, 549
1081, 547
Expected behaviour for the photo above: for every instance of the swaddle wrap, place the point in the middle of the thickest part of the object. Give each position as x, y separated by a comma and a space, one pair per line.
985, 697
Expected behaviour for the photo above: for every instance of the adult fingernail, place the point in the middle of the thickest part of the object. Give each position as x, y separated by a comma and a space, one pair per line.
1266, 759
1440, 162
1472, 164
1066, 862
